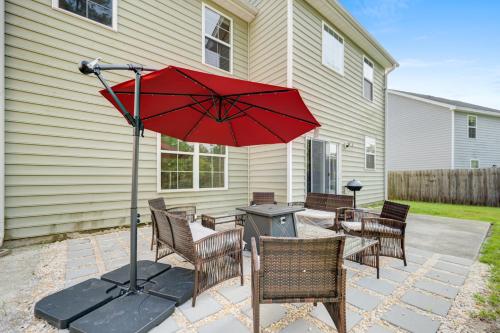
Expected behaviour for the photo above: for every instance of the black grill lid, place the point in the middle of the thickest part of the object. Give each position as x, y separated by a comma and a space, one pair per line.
354, 185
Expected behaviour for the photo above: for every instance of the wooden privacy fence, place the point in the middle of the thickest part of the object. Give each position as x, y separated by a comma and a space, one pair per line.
479, 187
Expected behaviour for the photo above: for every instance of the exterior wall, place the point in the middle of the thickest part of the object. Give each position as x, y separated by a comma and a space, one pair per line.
337, 102
68, 152
419, 135
268, 59
485, 147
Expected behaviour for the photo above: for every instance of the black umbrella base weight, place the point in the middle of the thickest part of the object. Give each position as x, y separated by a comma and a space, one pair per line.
137, 313
103, 306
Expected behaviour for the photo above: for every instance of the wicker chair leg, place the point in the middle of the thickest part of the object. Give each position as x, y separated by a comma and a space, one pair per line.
403, 248
256, 315
152, 235
242, 279
338, 315
196, 281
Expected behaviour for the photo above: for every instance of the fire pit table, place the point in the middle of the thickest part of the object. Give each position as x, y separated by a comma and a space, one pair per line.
269, 220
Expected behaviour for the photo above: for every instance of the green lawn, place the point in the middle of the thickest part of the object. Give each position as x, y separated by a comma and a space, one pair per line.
490, 253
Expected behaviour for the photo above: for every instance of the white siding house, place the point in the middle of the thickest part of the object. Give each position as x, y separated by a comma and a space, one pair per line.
427, 132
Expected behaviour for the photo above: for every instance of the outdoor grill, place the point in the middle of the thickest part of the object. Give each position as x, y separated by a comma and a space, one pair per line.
354, 186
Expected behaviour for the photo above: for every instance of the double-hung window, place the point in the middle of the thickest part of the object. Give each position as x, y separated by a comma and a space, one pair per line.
370, 149
217, 39
471, 126
333, 49
191, 166
367, 79
100, 11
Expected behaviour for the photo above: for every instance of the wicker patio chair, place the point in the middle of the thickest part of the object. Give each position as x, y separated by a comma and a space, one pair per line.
328, 202
159, 203
262, 198
216, 257
294, 270
388, 227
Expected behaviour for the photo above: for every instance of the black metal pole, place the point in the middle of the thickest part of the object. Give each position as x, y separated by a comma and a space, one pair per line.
134, 216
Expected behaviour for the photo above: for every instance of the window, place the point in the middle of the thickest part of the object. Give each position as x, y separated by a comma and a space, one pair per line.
474, 164
367, 79
471, 125
217, 39
333, 49
191, 166
100, 11
369, 153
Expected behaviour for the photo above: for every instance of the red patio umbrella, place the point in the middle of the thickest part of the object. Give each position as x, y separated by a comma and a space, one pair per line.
200, 107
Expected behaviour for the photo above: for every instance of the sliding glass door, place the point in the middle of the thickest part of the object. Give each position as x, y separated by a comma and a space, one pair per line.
322, 166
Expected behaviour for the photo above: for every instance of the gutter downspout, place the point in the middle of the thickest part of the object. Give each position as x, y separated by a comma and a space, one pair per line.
2, 127
386, 117
289, 83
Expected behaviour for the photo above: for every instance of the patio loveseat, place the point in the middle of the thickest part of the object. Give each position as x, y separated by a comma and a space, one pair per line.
323, 209
216, 256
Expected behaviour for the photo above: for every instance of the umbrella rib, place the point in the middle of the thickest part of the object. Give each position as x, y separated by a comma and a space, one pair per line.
173, 110
231, 106
157, 93
267, 128
276, 112
196, 81
232, 133
195, 125
260, 92
238, 114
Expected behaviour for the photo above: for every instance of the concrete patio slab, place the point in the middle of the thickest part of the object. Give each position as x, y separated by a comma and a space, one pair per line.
378, 329
379, 286
269, 313
410, 320
301, 326
434, 304
442, 276
362, 300
206, 305
437, 288
393, 274
455, 237
320, 313
452, 268
225, 324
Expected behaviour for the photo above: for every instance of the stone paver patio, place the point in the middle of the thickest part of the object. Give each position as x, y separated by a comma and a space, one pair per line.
415, 298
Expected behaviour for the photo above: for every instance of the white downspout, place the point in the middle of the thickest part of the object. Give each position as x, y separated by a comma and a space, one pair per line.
452, 138
386, 117
2, 124
289, 83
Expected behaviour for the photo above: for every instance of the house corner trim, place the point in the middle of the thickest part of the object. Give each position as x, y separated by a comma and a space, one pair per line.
2, 122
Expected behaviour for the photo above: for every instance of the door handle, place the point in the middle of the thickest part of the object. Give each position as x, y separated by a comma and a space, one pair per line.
282, 220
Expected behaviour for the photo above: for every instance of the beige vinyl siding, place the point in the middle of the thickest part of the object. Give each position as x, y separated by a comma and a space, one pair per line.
337, 102
68, 152
268, 64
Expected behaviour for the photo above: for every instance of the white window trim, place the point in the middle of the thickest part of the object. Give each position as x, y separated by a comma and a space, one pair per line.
470, 163
374, 154
341, 72
114, 19
196, 170
468, 126
230, 45
363, 79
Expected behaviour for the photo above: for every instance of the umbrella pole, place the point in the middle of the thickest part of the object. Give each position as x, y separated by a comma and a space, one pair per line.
134, 216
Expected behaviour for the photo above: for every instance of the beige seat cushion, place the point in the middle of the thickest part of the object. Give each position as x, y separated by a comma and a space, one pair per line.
320, 218
198, 231
352, 226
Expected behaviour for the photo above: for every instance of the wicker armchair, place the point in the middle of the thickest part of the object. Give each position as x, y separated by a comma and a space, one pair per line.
294, 270
216, 258
388, 227
159, 203
262, 198
328, 202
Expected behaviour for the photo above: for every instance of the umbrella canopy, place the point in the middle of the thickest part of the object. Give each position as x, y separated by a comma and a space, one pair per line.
199, 107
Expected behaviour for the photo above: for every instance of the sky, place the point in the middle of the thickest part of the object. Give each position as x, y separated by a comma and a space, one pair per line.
445, 48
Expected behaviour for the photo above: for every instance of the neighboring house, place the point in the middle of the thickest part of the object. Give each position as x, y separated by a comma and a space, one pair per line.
68, 152
427, 132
